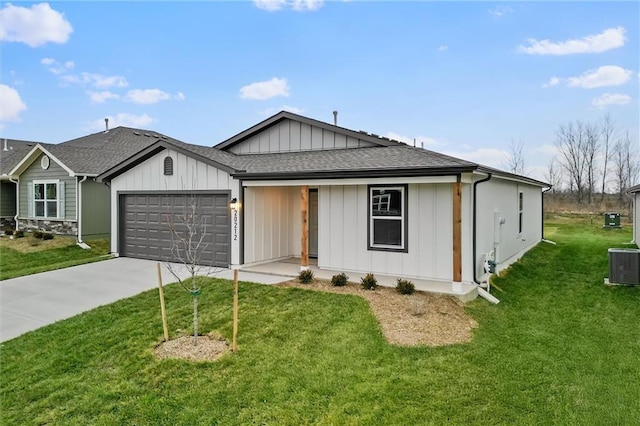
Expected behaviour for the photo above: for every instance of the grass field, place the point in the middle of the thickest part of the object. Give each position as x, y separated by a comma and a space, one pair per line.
23, 257
560, 348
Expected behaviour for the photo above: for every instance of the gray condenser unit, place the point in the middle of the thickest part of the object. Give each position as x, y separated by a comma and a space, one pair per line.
624, 266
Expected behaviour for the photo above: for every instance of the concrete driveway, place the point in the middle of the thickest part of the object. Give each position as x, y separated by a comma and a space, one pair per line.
30, 302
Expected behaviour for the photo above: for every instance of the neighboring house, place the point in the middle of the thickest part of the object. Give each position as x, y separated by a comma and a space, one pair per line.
355, 201
57, 187
11, 152
634, 193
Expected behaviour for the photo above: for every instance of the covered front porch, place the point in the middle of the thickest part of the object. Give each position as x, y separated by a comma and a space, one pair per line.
290, 267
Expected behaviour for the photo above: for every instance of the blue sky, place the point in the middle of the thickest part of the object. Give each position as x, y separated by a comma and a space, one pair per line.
464, 78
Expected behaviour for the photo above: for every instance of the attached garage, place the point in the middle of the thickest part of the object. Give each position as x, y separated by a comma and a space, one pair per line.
146, 220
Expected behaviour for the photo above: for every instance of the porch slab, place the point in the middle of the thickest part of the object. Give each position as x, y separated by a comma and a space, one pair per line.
290, 267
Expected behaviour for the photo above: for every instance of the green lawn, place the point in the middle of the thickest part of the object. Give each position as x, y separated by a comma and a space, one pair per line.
18, 258
560, 348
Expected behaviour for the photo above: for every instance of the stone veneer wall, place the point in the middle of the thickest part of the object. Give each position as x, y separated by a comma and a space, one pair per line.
60, 227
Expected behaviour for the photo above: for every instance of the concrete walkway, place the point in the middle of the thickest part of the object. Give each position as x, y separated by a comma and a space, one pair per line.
30, 302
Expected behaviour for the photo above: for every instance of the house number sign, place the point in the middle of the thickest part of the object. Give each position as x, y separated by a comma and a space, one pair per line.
235, 225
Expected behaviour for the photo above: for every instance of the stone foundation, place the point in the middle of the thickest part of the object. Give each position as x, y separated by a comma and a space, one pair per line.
7, 223
59, 227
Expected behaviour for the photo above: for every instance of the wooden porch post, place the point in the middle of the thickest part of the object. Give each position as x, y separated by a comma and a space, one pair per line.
457, 232
304, 239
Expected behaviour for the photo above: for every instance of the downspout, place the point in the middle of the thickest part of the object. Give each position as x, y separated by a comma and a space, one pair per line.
17, 182
481, 292
542, 216
79, 213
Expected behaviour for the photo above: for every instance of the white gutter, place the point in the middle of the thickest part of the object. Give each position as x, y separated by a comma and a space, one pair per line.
15, 218
79, 213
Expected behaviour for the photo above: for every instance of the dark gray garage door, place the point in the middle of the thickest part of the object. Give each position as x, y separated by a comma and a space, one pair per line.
145, 230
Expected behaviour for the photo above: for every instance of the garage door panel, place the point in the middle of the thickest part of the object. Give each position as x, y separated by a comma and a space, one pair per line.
147, 218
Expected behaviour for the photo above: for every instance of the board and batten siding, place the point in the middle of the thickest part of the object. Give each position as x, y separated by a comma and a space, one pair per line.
344, 224
498, 217
272, 223
289, 136
54, 172
189, 174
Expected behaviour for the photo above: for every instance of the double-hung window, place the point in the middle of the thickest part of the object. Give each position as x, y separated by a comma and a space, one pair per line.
387, 218
46, 199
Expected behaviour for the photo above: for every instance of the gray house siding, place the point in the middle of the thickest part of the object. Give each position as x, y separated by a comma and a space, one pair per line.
61, 225
289, 136
95, 210
7, 200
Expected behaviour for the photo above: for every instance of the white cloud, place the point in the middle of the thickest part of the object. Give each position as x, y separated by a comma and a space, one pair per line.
605, 76
610, 99
265, 89
608, 75
420, 140
33, 26
486, 156
500, 11
272, 111
96, 80
553, 81
146, 96
123, 119
179, 96
442, 48
56, 67
101, 97
611, 38
11, 104
297, 5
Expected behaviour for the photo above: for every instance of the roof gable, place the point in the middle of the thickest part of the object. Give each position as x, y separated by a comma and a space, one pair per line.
11, 153
320, 135
33, 155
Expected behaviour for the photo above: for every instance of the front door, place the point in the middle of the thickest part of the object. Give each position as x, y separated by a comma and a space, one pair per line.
313, 223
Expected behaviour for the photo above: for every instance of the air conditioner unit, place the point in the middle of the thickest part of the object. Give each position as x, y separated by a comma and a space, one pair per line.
624, 266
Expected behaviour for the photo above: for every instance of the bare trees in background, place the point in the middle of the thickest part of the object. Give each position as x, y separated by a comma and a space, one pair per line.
515, 162
594, 158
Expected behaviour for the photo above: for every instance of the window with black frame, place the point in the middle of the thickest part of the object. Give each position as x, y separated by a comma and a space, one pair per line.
387, 218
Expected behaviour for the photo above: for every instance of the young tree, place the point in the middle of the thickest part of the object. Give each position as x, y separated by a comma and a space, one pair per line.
188, 246
515, 162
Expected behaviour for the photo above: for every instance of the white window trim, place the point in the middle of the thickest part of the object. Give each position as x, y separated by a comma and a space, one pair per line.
402, 218
520, 212
60, 196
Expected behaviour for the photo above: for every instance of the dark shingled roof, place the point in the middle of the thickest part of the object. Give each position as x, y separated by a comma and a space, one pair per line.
403, 157
17, 149
98, 152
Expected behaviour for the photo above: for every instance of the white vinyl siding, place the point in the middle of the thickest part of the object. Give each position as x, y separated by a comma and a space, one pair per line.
344, 224
289, 135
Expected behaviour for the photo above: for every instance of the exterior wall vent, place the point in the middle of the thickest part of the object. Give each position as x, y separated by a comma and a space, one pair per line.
168, 166
624, 266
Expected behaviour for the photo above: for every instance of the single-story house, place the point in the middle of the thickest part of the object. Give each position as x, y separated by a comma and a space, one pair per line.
57, 189
295, 187
634, 193
11, 152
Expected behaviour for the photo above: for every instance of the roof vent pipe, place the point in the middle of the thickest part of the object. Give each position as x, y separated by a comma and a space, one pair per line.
106, 125
335, 118
6, 146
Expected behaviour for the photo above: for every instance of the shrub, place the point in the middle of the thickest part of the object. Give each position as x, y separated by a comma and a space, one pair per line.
339, 280
305, 276
19, 233
369, 282
37, 234
405, 287
8, 231
47, 236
